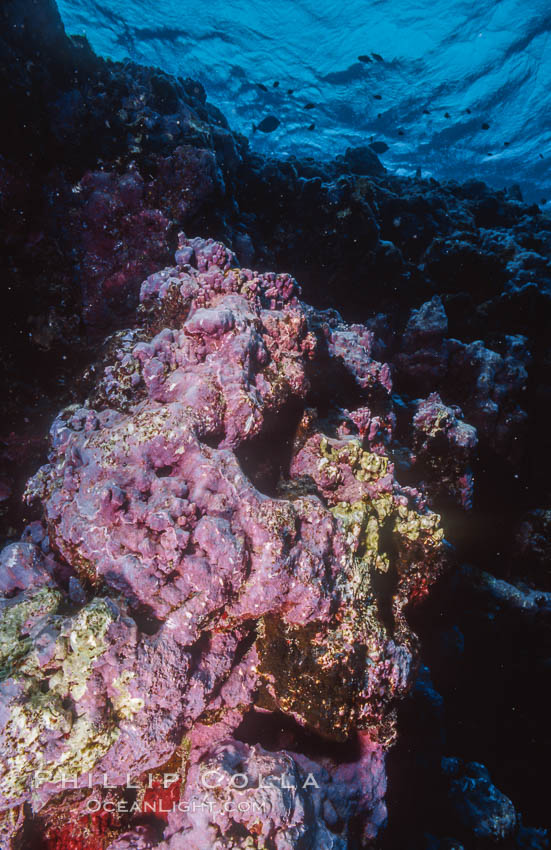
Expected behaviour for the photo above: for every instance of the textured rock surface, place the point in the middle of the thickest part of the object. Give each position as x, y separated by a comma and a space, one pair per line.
191, 595
93, 139
443, 445
479, 807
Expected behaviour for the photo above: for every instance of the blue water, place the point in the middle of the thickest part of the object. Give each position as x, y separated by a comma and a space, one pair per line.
443, 56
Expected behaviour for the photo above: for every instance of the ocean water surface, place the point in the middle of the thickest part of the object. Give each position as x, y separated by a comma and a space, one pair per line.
455, 88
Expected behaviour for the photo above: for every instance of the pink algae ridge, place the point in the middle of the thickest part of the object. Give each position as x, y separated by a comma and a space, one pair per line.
220, 579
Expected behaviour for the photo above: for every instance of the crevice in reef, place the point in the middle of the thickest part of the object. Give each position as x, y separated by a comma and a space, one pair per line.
247, 642
199, 648
146, 620
211, 440
275, 730
384, 584
266, 458
332, 385
164, 471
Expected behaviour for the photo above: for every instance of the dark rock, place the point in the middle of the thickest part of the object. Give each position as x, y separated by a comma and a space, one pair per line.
364, 161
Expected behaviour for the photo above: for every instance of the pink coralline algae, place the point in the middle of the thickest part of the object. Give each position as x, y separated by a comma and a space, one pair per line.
123, 224
121, 238
353, 346
284, 797
224, 547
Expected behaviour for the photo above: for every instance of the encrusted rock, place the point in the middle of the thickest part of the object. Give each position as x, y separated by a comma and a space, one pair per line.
194, 596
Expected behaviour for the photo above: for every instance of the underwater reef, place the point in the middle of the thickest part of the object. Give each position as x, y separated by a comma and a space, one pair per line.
291, 522
213, 578
448, 86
